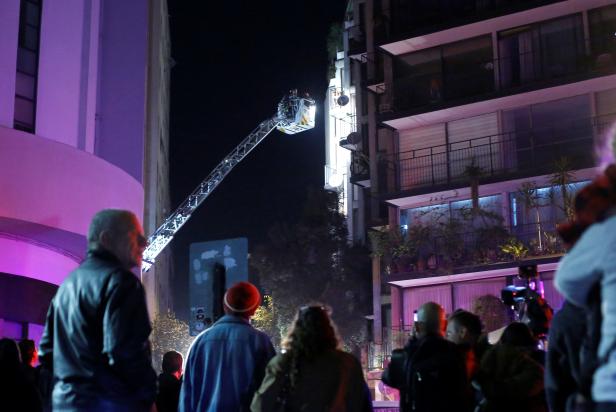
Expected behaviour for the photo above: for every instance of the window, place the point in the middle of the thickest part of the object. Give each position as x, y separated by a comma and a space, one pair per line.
447, 72
546, 205
602, 26
544, 133
468, 67
541, 51
27, 65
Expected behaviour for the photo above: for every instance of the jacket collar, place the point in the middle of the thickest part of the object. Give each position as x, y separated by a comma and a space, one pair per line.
233, 319
104, 255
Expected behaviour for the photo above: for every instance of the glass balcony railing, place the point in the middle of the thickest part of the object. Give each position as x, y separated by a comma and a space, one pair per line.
409, 18
457, 82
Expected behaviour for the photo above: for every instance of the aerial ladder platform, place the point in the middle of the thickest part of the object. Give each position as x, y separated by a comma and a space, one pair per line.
295, 114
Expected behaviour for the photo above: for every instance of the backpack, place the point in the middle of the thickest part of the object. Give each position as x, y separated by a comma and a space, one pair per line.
436, 377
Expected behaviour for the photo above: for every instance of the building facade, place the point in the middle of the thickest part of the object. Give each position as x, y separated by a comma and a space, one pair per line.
83, 126
479, 121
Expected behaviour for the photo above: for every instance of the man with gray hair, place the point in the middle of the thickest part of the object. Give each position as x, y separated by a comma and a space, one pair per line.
96, 335
430, 371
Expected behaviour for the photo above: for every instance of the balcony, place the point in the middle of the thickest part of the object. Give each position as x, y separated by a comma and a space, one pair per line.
411, 18
357, 39
504, 156
468, 80
446, 246
360, 167
372, 71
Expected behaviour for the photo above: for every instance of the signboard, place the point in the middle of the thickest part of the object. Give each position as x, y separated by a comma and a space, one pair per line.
214, 267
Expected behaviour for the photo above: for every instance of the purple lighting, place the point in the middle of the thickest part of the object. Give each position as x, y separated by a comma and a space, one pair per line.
605, 152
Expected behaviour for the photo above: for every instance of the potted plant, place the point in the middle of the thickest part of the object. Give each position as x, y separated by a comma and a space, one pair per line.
516, 249
420, 242
451, 242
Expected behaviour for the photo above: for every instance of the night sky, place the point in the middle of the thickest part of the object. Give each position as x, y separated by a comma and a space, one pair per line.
233, 63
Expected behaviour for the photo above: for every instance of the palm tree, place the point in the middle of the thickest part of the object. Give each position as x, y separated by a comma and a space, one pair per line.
530, 199
562, 177
474, 172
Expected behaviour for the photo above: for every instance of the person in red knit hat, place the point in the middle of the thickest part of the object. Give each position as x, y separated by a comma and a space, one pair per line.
226, 363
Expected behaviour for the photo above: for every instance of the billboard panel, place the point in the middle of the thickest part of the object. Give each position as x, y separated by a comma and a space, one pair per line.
214, 267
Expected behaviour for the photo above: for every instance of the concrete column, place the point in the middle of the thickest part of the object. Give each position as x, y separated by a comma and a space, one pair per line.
396, 308
377, 323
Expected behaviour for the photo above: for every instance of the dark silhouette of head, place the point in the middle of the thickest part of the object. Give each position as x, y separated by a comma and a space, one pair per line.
29, 354
313, 332
172, 363
9, 356
430, 320
463, 327
519, 335
591, 205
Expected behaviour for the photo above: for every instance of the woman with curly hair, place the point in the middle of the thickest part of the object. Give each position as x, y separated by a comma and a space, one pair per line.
312, 373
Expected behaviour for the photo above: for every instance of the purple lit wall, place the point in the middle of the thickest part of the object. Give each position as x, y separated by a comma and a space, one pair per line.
9, 18
87, 152
121, 104
60, 71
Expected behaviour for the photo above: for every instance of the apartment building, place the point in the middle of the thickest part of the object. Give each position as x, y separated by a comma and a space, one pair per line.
478, 121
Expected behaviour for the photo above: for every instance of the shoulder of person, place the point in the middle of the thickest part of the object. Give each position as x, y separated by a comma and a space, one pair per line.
599, 233
122, 277
347, 358
262, 336
277, 363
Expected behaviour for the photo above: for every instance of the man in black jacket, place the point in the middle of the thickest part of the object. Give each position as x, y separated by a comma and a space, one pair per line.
430, 371
96, 335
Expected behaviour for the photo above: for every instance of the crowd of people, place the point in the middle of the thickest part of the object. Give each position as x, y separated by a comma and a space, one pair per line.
95, 355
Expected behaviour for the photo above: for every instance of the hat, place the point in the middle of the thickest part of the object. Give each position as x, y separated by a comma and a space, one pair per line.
242, 297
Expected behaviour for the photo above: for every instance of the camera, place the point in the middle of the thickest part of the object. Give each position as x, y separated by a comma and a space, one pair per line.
527, 301
510, 295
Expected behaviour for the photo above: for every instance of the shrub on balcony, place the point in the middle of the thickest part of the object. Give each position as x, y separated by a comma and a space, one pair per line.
516, 249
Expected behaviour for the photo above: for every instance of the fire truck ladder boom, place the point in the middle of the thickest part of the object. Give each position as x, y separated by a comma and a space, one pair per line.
294, 115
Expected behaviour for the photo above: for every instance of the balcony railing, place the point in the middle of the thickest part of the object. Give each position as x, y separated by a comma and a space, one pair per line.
507, 155
372, 68
393, 338
360, 167
519, 71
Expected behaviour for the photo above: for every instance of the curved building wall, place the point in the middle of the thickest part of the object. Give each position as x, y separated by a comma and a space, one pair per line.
54, 184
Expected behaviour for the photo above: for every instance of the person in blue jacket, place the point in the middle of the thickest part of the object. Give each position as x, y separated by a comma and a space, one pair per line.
226, 363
